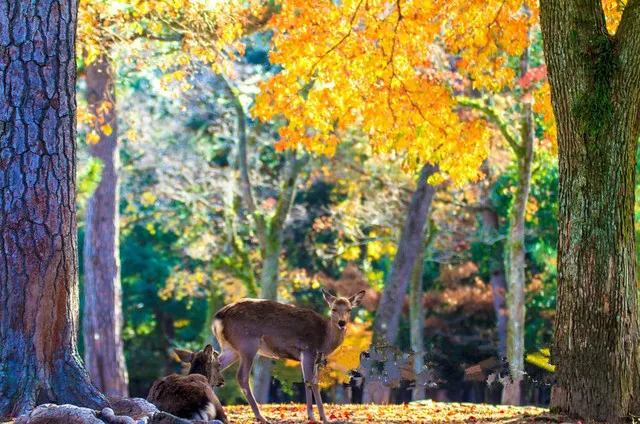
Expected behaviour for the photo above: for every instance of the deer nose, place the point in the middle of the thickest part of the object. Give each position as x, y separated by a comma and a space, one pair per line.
342, 323
220, 382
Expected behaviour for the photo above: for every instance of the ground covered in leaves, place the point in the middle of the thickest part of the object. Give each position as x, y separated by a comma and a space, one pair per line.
423, 412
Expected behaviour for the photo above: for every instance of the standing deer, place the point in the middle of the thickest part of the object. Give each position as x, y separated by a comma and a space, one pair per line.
191, 396
251, 326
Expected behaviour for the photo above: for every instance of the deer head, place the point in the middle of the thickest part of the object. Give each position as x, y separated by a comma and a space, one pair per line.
204, 362
341, 307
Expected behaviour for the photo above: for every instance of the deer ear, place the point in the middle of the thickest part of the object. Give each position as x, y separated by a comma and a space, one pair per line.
328, 297
208, 350
356, 299
183, 354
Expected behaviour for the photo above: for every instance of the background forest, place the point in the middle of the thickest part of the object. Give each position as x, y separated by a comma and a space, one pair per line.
276, 150
189, 244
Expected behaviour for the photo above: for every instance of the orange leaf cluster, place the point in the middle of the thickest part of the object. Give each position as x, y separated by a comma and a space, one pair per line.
370, 65
392, 69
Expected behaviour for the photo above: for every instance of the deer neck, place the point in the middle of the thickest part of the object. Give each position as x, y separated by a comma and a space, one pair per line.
335, 337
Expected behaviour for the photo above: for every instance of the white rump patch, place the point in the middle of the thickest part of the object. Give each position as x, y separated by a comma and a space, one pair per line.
206, 414
217, 329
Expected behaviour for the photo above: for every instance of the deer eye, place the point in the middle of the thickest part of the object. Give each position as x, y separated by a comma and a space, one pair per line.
334, 310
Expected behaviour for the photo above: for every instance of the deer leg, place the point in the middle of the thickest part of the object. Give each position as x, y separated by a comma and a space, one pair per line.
244, 370
316, 392
307, 361
227, 358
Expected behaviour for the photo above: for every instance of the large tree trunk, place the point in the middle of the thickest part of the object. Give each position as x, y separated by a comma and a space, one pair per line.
515, 256
389, 310
595, 88
38, 234
102, 320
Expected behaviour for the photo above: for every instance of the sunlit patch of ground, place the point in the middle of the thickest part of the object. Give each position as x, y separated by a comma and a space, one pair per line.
424, 412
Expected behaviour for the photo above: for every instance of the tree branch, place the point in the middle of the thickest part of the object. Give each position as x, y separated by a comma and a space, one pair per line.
287, 192
246, 187
492, 116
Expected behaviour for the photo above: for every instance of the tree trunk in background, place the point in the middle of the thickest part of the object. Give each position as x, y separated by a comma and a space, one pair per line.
102, 320
269, 284
390, 307
269, 229
417, 316
595, 88
491, 229
395, 290
166, 332
498, 283
515, 255
39, 362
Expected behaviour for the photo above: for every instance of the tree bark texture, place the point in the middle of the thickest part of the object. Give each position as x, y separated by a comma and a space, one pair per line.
39, 362
595, 90
515, 255
102, 319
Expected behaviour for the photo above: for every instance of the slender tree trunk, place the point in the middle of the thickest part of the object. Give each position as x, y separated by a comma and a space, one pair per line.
595, 88
166, 332
515, 256
498, 285
395, 290
39, 362
102, 320
417, 315
269, 284
268, 229
390, 307
491, 228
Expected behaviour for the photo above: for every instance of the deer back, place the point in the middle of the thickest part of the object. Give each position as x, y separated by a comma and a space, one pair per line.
282, 330
186, 396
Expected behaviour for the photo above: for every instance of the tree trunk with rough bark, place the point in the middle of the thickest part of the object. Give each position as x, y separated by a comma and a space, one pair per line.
390, 307
515, 255
102, 320
39, 362
595, 90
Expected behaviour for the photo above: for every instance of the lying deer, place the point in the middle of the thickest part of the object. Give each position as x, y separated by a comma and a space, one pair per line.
250, 326
191, 396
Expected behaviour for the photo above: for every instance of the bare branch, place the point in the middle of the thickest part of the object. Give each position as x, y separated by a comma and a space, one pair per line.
492, 116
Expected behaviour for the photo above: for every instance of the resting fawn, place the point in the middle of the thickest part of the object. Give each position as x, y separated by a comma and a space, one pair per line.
191, 396
251, 326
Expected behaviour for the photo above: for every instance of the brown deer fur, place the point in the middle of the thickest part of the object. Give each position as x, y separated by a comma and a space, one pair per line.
251, 326
191, 396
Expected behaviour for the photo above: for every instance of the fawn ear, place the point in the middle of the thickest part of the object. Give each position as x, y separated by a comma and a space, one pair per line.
328, 297
208, 350
356, 299
183, 354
